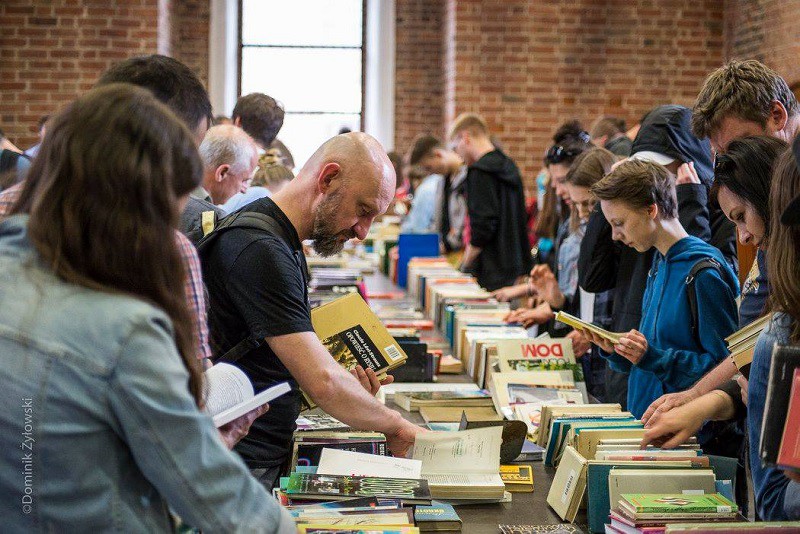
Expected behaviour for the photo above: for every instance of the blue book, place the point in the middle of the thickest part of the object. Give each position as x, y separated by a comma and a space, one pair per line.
725, 487
598, 504
437, 516
414, 246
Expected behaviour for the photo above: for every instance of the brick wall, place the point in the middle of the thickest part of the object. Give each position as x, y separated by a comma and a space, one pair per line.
418, 70
190, 27
528, 66
53, 50
767, 30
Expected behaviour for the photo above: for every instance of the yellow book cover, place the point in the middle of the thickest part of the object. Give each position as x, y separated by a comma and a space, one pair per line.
354, 335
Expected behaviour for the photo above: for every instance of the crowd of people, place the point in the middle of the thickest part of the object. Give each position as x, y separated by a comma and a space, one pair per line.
144, 239
635, 230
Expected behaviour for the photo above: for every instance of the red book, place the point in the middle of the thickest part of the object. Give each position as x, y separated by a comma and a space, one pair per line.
789, 453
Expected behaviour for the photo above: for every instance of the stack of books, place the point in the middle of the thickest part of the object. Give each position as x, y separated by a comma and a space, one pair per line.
742, 343
374, 515
651, 512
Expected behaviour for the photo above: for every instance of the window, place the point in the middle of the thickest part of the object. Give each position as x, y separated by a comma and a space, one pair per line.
308, 55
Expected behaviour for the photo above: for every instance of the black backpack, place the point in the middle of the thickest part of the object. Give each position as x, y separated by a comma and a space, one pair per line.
706, 263
249, 220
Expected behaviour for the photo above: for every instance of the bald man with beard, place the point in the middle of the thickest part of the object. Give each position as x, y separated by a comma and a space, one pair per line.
258, 292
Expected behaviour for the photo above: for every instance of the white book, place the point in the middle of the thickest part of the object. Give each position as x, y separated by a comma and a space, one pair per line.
229, 393
359, 464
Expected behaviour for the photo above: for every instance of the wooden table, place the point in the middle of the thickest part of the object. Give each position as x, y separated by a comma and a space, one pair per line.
525, 508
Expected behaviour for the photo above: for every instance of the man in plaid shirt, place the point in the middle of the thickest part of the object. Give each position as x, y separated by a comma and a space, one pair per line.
179, 88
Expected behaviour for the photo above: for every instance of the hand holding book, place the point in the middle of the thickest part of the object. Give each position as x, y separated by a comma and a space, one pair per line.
369, 380
631, 346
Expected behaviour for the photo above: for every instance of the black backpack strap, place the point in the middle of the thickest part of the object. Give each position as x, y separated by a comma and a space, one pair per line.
706, 263
242, 219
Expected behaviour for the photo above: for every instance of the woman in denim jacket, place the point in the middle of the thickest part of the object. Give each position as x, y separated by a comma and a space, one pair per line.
100, 387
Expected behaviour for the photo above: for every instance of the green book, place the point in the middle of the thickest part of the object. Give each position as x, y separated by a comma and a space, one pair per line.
655, 503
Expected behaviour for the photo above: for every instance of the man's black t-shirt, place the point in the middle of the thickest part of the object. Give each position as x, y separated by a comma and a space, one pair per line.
257, 287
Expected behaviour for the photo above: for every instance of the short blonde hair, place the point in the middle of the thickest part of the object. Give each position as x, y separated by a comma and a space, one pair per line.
472, 122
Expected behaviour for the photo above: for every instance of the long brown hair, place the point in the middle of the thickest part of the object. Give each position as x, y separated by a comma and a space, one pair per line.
783, 251
102, 195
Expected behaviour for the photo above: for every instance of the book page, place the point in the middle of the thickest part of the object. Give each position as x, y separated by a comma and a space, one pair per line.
452, 452
225, 386
465, 479
349, 463
226, 416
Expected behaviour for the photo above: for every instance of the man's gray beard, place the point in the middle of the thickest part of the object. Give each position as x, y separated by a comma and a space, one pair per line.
327, 245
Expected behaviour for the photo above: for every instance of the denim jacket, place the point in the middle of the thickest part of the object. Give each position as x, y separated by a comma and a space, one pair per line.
777, 498
100, 432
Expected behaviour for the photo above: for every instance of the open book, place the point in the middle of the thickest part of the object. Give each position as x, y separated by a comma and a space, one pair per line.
229, 394
463, 464
580, 324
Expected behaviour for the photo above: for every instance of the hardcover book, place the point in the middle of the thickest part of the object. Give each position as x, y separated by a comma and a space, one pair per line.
355, 336
437, 517
785, 359
676, 503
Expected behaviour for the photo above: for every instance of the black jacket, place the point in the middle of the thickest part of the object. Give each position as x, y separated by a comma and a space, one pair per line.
497, 217
667, 129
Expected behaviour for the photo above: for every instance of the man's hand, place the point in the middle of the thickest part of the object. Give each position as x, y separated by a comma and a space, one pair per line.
234, 431
402, 438
667, 402
580, 343
687, 174
369, 380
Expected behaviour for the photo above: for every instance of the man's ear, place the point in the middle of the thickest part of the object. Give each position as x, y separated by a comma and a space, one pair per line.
222, 172
237, 121
329, 178
778, 117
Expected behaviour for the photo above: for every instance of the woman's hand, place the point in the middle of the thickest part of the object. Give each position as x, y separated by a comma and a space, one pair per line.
546, 286
580, 343
632, 346
531, 316
675, 426
234, 431
744, 384
509, 293
667, 402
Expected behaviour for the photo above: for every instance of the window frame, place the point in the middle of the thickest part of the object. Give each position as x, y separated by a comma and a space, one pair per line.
363, 48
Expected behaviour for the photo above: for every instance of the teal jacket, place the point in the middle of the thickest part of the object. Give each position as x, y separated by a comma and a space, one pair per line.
675, 360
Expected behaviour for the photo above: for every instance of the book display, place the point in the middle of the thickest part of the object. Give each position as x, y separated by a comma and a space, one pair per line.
580, 462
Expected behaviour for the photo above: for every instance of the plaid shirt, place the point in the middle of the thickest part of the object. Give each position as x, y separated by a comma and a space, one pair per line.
193, 285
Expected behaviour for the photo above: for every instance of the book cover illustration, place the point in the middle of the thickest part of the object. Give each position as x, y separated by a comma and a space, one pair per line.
652, 503
353, 347
348, 486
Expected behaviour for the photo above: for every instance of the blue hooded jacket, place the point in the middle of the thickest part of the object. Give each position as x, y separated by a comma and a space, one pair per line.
674, 360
